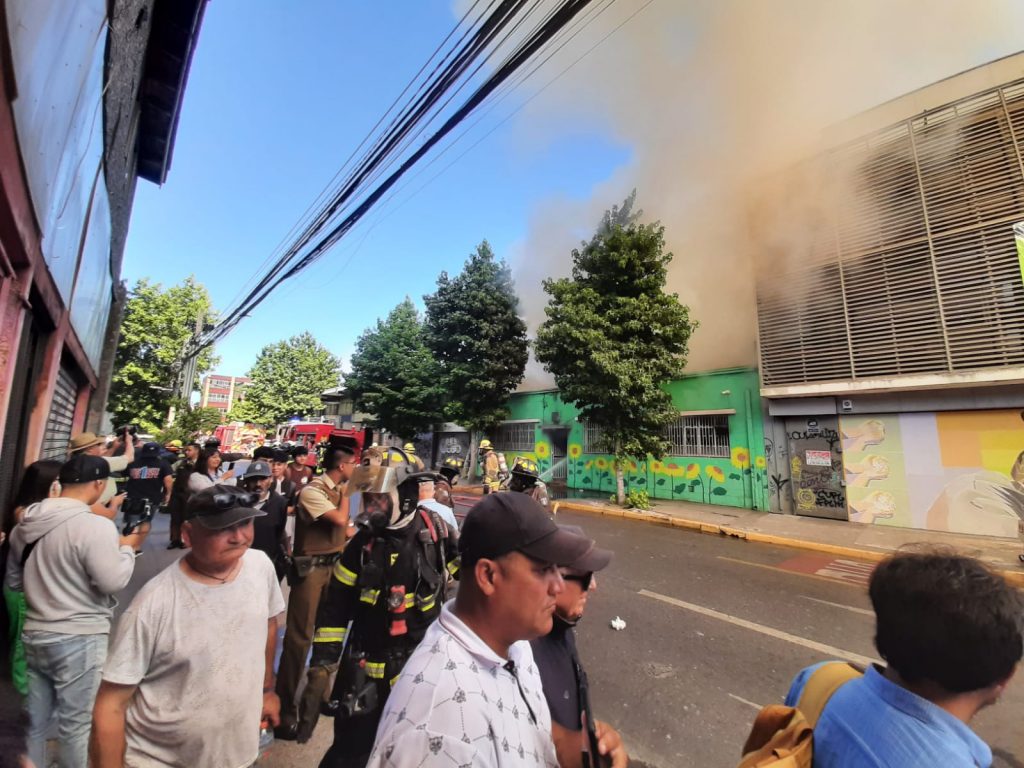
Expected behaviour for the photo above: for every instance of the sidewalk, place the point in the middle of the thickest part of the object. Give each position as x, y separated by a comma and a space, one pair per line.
867, 542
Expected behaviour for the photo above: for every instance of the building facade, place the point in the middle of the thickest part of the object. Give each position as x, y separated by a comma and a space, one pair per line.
221, 392
717, 454
89, 99
891, 314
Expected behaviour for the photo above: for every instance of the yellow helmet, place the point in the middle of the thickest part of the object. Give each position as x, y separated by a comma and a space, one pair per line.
409, 448
485, 445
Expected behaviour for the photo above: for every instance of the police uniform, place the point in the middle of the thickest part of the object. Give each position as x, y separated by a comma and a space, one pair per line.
389, 583
318, 544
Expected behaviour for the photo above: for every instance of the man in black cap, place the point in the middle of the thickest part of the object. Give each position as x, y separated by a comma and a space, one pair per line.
197, 645
70, 563
268, 534
491, 711
573, 726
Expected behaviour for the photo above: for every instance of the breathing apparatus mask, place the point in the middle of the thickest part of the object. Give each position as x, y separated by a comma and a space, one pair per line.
396, 477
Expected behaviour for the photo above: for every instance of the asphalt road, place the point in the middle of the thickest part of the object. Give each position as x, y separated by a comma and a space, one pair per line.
715, 628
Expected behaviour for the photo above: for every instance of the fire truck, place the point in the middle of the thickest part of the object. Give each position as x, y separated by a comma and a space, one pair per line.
314, 435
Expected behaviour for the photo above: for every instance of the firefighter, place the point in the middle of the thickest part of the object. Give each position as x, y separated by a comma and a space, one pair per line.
410, 451
526, 479
390, 585
450, 470
495, 468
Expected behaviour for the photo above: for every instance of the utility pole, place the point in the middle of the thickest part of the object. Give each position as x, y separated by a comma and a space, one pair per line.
187, 371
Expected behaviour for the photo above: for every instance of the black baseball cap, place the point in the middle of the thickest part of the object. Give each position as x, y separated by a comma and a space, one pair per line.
513, 522
258, 468
221, 506
81, 468
594, 559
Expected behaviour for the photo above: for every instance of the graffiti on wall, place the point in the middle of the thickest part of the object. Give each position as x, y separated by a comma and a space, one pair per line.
959, 471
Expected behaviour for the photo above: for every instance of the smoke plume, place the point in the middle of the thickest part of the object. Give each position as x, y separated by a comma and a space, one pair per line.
714, 97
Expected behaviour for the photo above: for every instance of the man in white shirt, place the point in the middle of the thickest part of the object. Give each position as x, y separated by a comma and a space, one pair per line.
471, 693
182, 684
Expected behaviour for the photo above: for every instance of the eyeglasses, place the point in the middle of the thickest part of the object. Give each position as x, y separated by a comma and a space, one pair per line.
585, 580
234, 500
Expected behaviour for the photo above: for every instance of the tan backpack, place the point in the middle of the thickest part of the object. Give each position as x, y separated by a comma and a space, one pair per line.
783, 737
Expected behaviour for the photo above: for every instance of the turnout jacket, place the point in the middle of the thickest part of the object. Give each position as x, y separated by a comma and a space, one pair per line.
390, 585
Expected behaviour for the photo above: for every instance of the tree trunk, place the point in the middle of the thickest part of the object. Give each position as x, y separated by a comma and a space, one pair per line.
620, 481
469, 471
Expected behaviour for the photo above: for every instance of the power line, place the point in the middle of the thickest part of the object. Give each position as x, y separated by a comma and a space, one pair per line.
409, 119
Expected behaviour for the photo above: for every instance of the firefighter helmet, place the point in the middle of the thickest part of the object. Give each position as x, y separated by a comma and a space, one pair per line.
485, 445
524, 466
409, 448
396, 477
451, 468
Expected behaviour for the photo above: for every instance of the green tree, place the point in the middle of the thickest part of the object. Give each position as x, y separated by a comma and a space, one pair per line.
287, 380
613, 338
395, 377
189, 422
156, 325
475, 333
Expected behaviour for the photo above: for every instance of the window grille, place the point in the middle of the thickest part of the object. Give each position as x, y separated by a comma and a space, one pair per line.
515, 437
592, 434
703, 436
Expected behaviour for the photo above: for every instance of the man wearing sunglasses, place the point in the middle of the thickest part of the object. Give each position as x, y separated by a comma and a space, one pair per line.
190, 675
577, 735
470, 693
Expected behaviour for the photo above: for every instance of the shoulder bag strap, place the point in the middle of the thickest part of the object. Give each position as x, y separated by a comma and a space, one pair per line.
825, 681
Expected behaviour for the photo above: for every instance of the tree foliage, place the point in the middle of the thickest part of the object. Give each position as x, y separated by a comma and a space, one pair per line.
190, 422
613, 338
395, 377
287, 380
477, 337
156, 325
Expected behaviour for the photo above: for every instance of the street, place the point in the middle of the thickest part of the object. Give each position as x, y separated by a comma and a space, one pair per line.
715, 628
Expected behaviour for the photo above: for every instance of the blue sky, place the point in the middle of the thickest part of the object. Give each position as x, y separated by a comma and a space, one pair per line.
278, 96
692, 103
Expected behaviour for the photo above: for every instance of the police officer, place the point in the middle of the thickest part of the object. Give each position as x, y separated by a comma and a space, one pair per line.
321, 523
526, 479
390, 584
495, 468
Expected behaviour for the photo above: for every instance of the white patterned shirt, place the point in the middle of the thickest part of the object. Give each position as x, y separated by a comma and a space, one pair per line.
457, 703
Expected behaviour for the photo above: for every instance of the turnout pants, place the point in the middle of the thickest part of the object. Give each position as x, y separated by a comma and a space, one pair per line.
303, 601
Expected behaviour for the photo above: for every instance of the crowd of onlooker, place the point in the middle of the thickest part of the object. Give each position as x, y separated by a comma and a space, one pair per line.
187, 677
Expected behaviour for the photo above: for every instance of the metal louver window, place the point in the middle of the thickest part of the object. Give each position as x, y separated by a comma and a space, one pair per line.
913, 267
62, 413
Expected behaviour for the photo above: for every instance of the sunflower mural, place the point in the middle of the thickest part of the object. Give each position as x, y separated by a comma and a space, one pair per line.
543, 453
715, 475
575, 459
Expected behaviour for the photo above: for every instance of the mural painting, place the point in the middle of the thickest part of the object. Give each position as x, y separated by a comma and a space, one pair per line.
959, 471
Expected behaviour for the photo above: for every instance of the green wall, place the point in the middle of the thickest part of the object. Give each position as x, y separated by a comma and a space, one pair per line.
737, 481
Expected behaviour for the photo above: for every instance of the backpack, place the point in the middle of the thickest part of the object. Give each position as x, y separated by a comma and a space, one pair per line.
783, 737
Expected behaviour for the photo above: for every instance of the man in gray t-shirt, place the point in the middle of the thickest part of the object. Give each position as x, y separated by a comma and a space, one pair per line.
195, 649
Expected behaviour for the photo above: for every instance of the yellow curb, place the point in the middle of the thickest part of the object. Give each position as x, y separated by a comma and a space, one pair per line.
1015, 578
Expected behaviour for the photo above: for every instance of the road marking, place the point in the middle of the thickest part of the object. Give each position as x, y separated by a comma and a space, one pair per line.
828, 650
744, 701
775, 568
840, 605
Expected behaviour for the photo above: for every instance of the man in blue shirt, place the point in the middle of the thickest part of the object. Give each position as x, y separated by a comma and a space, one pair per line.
950, 631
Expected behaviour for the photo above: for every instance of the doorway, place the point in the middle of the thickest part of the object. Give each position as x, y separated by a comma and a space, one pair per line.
816, 467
